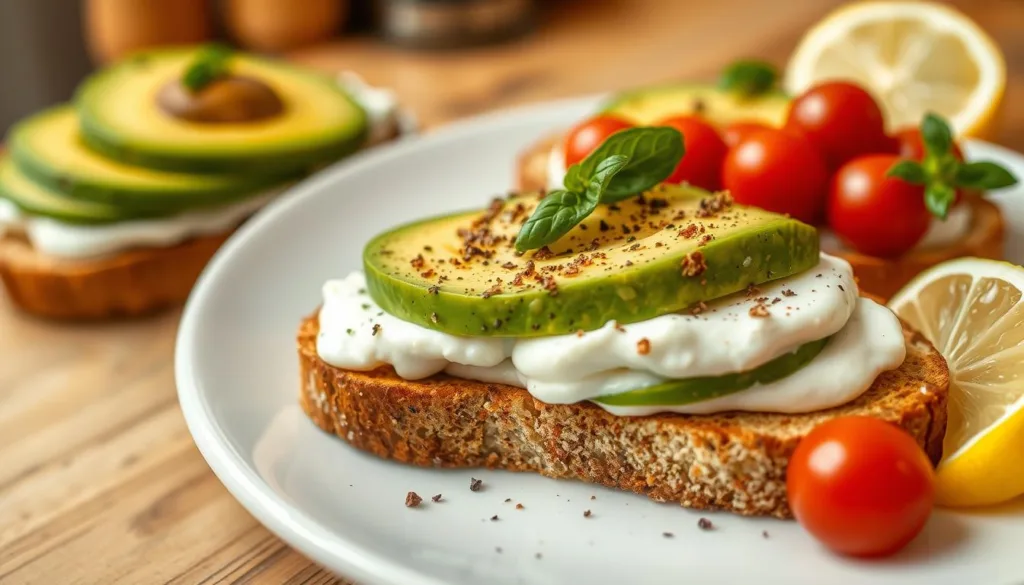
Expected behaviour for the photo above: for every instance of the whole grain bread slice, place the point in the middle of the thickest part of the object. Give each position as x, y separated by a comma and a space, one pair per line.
731, 461
127, 284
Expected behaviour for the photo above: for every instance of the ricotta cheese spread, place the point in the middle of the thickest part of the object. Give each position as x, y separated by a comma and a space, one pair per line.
726, 337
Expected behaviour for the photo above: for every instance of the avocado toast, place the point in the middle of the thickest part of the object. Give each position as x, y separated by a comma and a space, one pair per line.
655, 338
112, 206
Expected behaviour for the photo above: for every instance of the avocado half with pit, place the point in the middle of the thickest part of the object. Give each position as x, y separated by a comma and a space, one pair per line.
651, 105
121, 117
49, 149
667, 251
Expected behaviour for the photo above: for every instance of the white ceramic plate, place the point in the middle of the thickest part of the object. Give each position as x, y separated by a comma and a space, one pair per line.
237, 380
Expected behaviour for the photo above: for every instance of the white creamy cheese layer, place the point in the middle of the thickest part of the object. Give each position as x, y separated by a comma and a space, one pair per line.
940, 232
725, 338
67, 240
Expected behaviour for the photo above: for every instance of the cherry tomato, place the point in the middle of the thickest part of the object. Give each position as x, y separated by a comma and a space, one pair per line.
779, 171
841, 119
875, 214
911, 145
588, 135
701, 166
734, 133
861, 486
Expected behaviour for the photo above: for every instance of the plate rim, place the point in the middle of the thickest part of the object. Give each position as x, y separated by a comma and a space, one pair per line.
290, 523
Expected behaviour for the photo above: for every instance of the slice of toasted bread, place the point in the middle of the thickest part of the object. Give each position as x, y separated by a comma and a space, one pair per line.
880, 277
128, 284
884, 277
732, 461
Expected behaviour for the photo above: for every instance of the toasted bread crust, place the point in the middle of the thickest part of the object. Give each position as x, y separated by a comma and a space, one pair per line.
880, 277
884, 277
128, 284
731, 461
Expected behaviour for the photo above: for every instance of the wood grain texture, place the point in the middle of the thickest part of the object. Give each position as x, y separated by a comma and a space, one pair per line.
99, 479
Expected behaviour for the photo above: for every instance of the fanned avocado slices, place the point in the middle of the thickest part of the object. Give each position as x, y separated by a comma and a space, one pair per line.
48, 148
690, 390
646, 256
653, 104
122, 119
38, 199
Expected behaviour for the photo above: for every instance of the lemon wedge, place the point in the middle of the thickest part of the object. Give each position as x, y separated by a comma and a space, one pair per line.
972, 310
914, 57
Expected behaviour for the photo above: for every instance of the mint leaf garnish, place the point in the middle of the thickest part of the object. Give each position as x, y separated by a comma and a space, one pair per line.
941, 172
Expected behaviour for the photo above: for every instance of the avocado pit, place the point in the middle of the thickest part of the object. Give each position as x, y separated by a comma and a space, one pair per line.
232, 99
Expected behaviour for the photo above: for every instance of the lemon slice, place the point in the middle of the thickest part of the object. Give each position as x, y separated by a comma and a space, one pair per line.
914, 57
973, 312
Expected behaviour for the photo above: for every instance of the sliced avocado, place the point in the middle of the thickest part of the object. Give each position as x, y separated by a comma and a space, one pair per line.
651, 105
628, 262
121, 118
37, 199
48, 148
690, 390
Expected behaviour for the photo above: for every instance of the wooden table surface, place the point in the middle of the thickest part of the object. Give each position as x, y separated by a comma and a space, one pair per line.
99, 479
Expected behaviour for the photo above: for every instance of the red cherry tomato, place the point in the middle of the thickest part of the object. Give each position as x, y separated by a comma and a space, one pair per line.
861, 486
736, 132
779, 171
911, 145
841, 119
588, 135
875, 214
701, 166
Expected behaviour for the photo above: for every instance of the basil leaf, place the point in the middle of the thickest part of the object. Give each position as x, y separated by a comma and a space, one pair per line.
209, 64
937, 137
909, 171
557, 213
653, 154
562, 210
983, 176
748, 78
938, 198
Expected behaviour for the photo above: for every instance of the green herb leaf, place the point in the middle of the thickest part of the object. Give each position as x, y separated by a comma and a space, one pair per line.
909, 171
983, 176
937, 137
653, 154
938, 198
209, 64
557, 213
561, 210
748, 78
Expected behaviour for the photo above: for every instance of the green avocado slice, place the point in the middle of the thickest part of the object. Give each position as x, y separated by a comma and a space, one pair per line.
650, 105
690, 390
37, 199
643, 257
48, 148
121, 119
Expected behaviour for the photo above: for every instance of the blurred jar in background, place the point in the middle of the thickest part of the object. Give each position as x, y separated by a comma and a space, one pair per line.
447, 24
279, 25
115, 28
